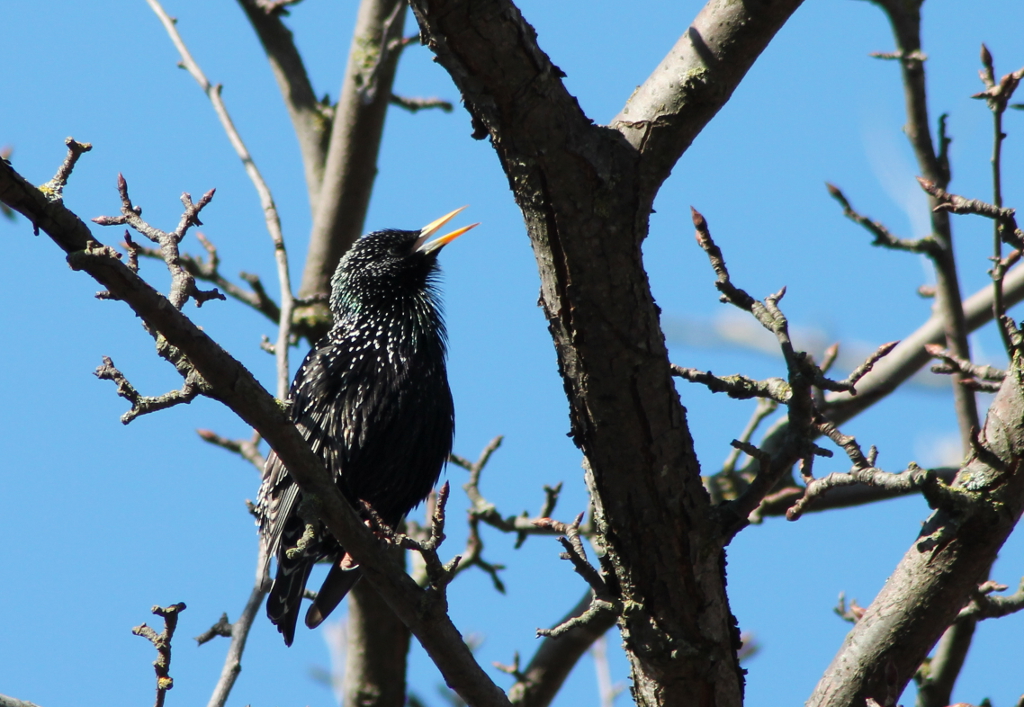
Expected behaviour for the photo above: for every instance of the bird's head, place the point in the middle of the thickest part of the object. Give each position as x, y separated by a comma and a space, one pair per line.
389, 264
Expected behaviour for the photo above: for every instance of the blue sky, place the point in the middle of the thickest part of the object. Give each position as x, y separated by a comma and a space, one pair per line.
101, 521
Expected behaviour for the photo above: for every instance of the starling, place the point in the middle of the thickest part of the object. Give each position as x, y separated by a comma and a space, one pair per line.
372, 400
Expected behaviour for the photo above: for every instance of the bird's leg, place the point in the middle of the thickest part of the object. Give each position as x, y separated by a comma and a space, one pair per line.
308, 536
375, 523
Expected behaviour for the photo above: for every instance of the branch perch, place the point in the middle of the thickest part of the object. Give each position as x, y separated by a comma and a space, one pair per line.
162, 642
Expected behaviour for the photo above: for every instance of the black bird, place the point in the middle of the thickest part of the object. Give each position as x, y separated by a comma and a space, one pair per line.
372, 400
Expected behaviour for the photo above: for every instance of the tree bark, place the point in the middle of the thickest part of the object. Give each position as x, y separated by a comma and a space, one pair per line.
586, 193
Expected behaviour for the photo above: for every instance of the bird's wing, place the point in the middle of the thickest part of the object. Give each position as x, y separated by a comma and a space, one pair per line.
275, 503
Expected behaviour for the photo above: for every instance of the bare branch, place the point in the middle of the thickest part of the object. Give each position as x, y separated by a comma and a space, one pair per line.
882, 235
351, 162
376, 649
555, 658
726, 484
905, 19
737, 386
852, 614
985, 606
910, 481
239, 633
415, 105
955, 363
221, 628
439, 575
55, 187
863, 369
232, 384
695, 79
906, 358
311, 118
209, 271
273, 221
483, 510
162, 642
1005, 218
942, 568
248, 449
183, 285
143, 404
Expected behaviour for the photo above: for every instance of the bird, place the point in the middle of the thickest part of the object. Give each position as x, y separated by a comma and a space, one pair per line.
372, 400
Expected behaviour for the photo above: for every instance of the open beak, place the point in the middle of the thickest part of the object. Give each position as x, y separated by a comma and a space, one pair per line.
427, 231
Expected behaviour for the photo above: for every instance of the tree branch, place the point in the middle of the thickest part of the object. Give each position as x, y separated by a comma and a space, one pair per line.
270, 215
351, 162
144, 404
233, 385
695, 79
311, 119
906, 359
377, 644
586, 194
952, 555
905, 18
239, 633
883, 237
162, 642
543, 676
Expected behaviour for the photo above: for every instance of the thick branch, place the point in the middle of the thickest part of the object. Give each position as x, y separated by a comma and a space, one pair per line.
377, 644
311, 119
586, 193
695, 79
351, 164
942, 569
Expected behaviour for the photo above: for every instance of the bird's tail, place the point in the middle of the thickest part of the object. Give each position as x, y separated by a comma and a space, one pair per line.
342, 576
286, 594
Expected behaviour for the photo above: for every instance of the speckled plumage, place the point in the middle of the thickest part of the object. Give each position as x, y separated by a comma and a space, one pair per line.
372, 399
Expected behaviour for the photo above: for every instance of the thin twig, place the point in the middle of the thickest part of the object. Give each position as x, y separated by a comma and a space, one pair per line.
415, 105
266, 198
54, 189
523, 525
209, 270
725, 485
221, 628
439, 574
248, 449
1006, 219
737, 386
955, 363
882, 235
183, 284
985, 606
144, 404
162, 642
233, 660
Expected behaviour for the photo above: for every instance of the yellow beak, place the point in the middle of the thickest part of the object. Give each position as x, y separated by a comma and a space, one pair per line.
421, 244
